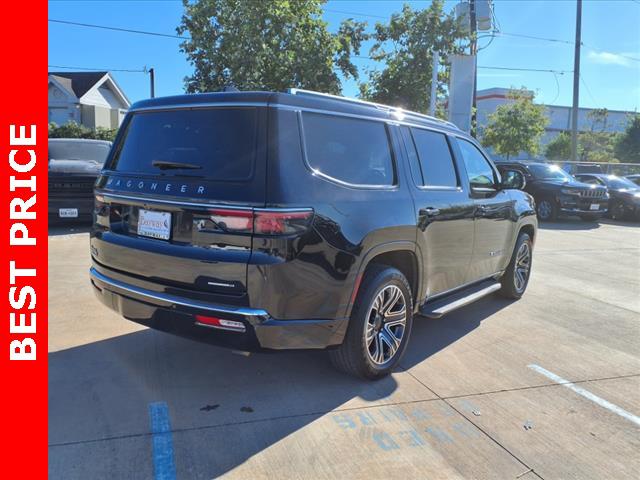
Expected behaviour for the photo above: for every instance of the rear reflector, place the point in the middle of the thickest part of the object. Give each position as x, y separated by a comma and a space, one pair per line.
220, 323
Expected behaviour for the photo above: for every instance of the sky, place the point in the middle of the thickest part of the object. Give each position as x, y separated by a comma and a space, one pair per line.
610, 59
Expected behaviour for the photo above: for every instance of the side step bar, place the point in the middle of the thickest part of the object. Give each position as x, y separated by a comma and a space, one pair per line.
438, 307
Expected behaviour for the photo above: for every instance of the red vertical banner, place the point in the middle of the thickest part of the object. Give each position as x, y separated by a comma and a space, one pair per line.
23, 222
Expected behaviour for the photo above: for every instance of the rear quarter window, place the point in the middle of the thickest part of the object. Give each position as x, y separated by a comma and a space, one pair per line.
349, 150
215, 143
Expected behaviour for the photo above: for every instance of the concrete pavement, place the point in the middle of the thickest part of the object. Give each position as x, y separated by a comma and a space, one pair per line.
464, 404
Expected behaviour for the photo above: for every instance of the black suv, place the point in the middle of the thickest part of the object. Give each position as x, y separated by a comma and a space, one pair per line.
299, 220
558, 193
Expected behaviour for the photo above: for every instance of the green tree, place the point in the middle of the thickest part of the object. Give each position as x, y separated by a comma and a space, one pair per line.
559, 148
596, 144
406, 44
516, 126
270, 45
627, 146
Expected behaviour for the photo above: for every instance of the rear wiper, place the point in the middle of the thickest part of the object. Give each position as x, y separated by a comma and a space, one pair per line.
164, 165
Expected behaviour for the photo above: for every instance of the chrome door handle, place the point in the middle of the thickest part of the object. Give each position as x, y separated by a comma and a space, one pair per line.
429, 212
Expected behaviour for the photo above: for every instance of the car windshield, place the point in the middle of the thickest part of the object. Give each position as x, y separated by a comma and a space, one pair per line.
548, 172
87, 151
618, 183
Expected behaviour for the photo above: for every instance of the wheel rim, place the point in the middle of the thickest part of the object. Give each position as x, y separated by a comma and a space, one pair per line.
386, 325
522, 267
618, 211
544, 209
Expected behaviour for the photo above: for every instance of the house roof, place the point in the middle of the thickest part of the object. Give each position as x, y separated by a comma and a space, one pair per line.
78, 83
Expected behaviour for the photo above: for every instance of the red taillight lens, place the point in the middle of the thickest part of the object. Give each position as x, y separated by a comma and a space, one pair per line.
262, 222
231, 220
280, 222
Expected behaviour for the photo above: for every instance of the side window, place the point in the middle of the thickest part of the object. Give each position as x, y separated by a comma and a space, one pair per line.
348, 149
434, 158
478, 168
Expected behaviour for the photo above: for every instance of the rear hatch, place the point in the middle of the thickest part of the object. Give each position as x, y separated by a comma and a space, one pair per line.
175, 202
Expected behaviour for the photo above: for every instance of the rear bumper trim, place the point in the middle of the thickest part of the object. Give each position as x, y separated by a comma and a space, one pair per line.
169, 300
176, 314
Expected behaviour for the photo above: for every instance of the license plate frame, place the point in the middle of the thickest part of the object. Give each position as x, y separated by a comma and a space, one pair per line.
154, 224
67, 213
594, 206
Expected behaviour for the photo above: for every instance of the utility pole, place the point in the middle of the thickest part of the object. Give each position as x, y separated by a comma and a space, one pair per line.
434, 83
152, 80
576, 83
473, 50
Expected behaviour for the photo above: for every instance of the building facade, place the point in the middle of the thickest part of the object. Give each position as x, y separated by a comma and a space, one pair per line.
559, 116
92, 99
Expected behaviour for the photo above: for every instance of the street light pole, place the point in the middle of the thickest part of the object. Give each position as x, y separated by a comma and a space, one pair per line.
152, 80
474, 51
434, 83
576, 83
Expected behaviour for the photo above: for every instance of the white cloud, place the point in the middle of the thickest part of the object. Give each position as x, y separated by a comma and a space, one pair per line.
608, 58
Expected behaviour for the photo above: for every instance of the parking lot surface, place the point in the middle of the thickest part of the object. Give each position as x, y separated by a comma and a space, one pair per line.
545, 387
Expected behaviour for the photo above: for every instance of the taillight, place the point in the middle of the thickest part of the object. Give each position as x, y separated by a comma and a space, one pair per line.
262, 222
232, 220
281, 222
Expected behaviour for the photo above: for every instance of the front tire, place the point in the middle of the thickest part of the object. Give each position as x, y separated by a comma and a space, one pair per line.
516, 276
547, 210
379, 327
617, 211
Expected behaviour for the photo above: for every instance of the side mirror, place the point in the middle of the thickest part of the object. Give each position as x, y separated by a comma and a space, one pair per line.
513, 179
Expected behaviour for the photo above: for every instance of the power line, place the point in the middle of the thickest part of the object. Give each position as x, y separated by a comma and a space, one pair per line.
355, 13
66, 67
533, 37
118, 29
559, 72
588, 89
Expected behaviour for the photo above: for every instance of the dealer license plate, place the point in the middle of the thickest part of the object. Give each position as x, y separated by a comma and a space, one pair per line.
154, 224
68, 212
595, 206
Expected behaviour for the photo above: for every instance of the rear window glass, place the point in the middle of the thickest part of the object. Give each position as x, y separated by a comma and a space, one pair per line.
217, 144
74, 150
348, 149
435, 158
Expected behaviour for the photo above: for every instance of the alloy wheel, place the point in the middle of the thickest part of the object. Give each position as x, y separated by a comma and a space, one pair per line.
386, 325
522, 267
544, 209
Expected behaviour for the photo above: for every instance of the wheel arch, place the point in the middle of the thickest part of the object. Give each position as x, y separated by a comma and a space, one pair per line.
403, 255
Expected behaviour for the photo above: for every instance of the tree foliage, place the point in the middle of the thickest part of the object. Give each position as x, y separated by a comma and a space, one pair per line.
627, 146
516, 126
559, 148
406, 44
75, 130
270, 45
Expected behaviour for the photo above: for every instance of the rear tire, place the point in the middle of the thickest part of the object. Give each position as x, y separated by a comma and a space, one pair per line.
516, 276
547, 210
379, 327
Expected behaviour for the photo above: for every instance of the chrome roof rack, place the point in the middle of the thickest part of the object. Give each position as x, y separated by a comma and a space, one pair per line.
396, 111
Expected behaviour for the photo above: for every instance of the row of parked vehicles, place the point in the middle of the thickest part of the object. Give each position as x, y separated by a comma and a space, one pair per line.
588, 195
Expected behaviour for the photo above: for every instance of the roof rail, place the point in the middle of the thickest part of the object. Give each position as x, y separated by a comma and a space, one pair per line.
397, 111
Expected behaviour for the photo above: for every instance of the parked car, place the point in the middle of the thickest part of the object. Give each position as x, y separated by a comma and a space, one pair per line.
74, 165
262, 220
575, 168
558, 193
635, 178
624, 195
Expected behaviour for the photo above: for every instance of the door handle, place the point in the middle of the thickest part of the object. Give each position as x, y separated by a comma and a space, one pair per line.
429, 212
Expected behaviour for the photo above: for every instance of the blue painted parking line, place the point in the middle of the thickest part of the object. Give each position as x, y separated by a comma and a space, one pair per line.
164, 467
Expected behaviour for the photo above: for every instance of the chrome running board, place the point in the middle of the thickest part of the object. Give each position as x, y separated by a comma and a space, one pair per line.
442, 306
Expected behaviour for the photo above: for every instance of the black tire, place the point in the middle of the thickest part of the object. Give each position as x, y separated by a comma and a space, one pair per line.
547, 210
354, 355
616, 212
590, 218
511, 286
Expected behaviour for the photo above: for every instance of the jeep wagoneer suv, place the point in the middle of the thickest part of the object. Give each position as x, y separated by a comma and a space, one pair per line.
299, 220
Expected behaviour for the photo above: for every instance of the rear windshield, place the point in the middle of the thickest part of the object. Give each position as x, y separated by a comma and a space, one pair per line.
90, 151
215, 143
